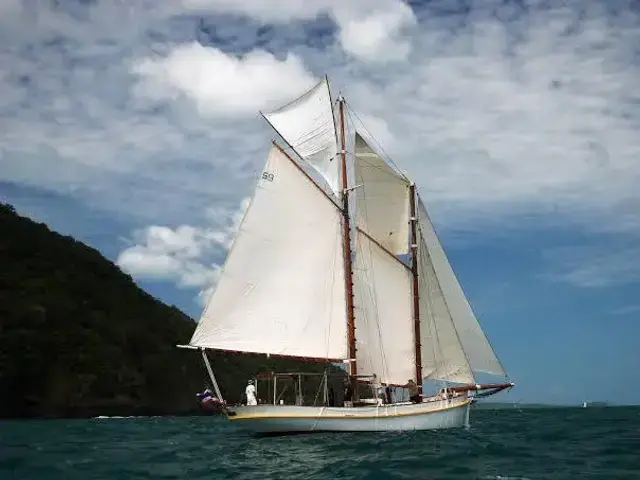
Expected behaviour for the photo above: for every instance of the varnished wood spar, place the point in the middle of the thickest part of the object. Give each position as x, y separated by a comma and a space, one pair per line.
291, 357
486, 386
416, 294
381, 247
484, 390
351, 326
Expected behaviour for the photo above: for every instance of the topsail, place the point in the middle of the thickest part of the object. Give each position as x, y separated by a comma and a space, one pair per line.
307, 124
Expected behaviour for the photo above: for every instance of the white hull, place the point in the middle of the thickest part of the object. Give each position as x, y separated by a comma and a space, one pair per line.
397, 417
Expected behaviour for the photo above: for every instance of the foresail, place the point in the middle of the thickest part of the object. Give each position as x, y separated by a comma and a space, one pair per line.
382, 199
443, 357
384, 325
474, 342
308, 125
281, 290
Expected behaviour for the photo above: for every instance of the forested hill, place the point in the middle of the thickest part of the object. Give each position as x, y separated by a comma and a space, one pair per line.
79, 338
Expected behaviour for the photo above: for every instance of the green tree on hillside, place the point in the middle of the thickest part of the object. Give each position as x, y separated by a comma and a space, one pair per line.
78, 337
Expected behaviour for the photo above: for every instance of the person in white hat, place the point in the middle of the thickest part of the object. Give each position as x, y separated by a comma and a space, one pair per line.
250, 392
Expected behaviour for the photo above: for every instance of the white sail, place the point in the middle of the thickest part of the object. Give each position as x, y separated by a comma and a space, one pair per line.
382, 199
383, 316
443, 357
307, 124
281, 290
476, 347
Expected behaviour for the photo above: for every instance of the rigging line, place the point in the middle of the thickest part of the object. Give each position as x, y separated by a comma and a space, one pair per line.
376, 141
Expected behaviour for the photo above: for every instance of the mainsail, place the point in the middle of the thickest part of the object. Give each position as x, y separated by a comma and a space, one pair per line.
284, 287
384, 326
281, 290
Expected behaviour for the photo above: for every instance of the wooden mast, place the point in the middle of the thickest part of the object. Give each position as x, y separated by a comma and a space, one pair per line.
416, 295
351, 325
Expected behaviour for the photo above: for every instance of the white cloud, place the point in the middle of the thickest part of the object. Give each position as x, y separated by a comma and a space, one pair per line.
376, 33
187, 255
143, 262
182, 242
222, 84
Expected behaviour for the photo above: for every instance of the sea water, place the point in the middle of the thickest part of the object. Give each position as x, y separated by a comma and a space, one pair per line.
554, 443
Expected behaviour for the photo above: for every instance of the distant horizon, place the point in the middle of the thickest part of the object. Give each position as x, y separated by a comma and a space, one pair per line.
604, 404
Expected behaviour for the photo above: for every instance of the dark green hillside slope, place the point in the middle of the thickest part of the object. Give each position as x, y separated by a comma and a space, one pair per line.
79, 338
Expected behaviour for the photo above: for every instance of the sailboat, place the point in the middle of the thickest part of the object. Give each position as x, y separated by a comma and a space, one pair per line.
337, 261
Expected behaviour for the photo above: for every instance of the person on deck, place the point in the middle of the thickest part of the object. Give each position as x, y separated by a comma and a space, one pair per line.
414, 392
250, 393
379, 390
348, 393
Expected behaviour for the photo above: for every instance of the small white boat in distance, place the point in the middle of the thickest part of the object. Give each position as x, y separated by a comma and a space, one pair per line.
336, 261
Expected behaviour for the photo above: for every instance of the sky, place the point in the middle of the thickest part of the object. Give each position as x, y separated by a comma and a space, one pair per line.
134, 126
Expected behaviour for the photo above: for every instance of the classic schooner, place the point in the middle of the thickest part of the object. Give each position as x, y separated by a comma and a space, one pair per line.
352, 273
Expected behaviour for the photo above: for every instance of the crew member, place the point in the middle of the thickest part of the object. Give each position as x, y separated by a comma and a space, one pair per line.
250, 393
